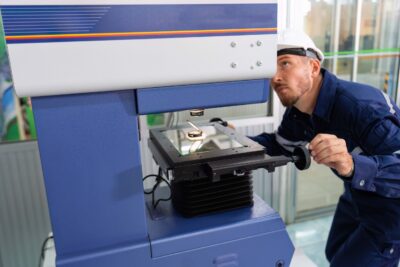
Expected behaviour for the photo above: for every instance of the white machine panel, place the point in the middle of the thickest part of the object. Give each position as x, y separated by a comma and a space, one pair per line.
66, 68
50, 63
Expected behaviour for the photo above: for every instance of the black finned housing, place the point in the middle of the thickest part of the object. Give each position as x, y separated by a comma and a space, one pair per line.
203, 196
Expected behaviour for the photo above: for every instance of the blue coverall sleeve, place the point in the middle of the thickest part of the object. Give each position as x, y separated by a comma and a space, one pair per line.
377, 168
268, 140
283, 141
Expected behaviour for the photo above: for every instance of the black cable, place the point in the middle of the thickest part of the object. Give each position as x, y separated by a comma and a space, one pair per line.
145, 178
43, 249
159, 180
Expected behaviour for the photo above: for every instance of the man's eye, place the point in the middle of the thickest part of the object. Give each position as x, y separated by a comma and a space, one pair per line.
284, 64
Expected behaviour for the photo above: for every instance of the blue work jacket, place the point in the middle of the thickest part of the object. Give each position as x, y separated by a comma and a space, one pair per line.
365, 117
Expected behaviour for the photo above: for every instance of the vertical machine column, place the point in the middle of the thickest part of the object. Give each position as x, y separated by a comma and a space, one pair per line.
91, 164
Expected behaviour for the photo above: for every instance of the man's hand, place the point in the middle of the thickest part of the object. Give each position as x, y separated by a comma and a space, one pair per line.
331, 151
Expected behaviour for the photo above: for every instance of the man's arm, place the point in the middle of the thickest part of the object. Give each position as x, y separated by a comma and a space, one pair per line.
268, 140
332, 151
284, 141
377, 167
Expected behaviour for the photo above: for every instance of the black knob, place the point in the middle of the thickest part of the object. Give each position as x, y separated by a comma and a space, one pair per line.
302, 158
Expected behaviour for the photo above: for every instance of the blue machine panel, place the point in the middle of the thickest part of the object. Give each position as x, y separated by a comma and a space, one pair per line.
174, 233
265, 250
244, 237
89, 149
51, 23
165, 99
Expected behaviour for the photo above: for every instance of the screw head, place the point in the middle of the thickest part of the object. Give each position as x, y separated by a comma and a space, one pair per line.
252, 45
259, 43
233, 44
259, 63
233, 65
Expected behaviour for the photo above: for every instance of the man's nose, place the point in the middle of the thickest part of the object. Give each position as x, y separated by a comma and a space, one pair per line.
277, 77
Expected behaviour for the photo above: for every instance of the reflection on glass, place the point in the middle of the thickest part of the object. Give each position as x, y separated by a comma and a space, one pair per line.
380, 72
347, 25
379, 43
379, 27
328, 64
321, 30
344, 68
214, 140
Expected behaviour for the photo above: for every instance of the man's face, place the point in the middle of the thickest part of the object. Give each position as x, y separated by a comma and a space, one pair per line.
292, 79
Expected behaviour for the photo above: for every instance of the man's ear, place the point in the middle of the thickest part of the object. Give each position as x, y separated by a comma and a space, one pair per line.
315, 67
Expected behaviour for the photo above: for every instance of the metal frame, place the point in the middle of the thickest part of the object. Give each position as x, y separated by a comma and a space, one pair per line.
398, 87
336, 19
174, 158
357, 39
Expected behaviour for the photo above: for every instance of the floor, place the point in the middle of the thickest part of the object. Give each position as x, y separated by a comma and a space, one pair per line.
310, 237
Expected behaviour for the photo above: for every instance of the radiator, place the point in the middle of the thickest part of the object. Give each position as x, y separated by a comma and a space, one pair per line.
24, 218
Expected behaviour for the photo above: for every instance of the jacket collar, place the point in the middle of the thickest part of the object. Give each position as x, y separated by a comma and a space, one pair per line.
326, 97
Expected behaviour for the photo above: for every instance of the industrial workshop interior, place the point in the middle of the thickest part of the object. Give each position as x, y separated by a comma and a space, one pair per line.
200, 133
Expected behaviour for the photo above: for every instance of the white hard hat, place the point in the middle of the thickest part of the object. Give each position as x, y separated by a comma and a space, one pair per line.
298, 43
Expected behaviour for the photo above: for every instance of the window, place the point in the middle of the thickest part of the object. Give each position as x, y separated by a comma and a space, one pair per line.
379, 51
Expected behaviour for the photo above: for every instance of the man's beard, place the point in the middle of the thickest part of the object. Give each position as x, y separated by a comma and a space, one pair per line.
289, 101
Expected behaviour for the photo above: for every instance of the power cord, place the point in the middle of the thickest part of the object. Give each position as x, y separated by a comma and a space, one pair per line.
44, 248
159, 180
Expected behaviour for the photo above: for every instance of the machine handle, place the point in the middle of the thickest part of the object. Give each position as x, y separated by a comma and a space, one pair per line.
300, 157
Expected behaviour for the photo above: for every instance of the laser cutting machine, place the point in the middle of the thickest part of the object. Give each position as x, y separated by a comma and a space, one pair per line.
92, 67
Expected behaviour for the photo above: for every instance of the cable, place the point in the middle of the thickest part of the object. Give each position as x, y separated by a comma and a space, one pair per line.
159, 180
43, 249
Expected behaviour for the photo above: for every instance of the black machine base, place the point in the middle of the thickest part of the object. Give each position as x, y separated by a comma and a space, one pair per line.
203, 196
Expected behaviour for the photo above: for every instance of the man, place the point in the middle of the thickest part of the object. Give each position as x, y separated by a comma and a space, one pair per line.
355, 130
